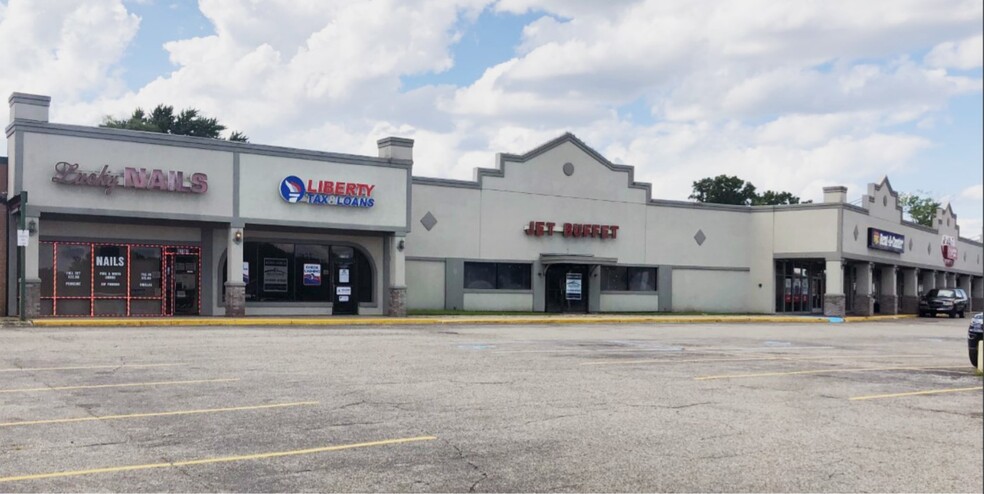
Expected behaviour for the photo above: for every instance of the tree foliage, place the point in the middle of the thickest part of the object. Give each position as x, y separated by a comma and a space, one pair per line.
724, 189
189, 122
921, 209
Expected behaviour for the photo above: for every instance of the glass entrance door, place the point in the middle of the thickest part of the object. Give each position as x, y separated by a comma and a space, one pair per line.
567, 288
181, 274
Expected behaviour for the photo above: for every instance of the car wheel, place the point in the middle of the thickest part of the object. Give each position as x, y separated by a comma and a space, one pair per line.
961, 314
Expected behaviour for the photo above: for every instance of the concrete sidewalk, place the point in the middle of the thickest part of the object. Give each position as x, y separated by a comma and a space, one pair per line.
445, 320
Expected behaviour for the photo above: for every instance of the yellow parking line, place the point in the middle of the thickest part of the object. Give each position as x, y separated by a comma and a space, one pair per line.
121, 366
746, 359
124, 385
158, 414
223, 459
915, 393
819, 371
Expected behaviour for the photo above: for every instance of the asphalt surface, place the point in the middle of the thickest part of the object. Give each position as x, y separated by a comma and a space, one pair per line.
737, 407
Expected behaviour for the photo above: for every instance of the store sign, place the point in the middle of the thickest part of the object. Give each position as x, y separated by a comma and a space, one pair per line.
131, 178
571, 230
882, 240
327, 192
312, 274
949, 248
275, 274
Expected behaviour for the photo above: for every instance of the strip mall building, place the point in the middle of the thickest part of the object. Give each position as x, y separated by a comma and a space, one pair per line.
125, 223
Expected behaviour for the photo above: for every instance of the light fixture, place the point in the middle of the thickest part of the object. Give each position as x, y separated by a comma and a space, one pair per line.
400, 245
238, 236
32, 226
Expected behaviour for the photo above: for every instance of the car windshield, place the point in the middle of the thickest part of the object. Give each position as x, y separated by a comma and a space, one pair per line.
940, 293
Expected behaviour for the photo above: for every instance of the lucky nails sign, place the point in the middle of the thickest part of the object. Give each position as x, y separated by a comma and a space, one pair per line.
131, 178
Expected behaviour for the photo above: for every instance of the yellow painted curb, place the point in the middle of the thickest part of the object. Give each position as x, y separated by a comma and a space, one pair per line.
415, 321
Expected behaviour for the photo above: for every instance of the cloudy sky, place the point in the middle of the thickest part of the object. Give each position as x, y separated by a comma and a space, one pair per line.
790, 95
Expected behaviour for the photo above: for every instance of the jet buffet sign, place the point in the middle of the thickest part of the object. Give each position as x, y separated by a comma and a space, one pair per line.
571, 230
131, 178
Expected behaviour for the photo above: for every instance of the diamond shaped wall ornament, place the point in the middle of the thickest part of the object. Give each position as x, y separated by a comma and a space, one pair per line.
699, 237
855, 232
910, 245
929, 248
428, 221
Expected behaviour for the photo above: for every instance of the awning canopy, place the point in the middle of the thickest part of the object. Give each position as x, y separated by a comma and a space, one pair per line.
577, 259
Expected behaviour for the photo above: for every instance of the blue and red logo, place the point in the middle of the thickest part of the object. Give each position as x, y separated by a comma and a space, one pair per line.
292, 189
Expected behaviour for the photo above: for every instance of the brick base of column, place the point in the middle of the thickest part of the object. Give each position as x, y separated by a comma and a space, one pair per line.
32, 299
864, 305
397, 301
235, 299
833, 305
910, 305
887, 305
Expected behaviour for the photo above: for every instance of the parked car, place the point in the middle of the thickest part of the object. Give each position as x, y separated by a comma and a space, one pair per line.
950, 301
974, 335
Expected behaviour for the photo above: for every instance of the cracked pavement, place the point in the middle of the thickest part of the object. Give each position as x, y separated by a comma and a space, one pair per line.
514, 408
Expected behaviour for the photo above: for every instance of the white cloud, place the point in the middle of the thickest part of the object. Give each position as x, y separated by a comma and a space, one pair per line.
65, 50
790, 95
966, 54
973, 192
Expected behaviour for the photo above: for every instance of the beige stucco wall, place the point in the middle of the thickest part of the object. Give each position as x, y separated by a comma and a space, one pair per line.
629, 302
427, 280
710, 291
499, 301
456, 233
42, 151
94, 232
801, 230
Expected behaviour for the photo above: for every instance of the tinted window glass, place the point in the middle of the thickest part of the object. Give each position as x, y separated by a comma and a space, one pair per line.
145, 272
274, 263
642, 279
614, 278
364, 270
312, 273
943, 293
480, 275
513, 276
46, 269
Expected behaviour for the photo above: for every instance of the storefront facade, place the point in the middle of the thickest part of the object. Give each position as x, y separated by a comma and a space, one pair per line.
562, 229
129, 223
135, 224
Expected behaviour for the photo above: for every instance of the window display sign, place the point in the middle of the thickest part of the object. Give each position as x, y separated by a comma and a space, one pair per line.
312, 275
343, 275
572, 287
887, 241
246, 272
110, 267
145, 271
275, 274
74, 270
949, 248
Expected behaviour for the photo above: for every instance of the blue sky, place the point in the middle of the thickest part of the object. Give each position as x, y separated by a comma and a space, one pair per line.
790, 96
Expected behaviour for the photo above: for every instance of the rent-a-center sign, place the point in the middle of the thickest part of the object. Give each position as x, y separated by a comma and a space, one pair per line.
571, 230
883, 240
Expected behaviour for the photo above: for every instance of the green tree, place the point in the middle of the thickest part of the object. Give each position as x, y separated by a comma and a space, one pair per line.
189, 122
773, 198
921, 209
723, 189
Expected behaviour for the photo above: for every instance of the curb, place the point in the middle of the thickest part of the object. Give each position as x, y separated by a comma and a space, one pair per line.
420, 321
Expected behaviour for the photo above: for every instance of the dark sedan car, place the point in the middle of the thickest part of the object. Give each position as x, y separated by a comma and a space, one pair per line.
974, 336
950, 301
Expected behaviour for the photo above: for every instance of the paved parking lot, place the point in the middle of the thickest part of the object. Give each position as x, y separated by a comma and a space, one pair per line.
883, 406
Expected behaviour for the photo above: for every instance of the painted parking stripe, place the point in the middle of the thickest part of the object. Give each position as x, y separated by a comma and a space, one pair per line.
123, 385
916, 393
662, 350
85, 367
746, 359
159, 414
821, 371
221, 459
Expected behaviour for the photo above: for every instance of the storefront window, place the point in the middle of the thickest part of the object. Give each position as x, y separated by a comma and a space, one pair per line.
100, 279
285, 272
498, 276
628, 279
